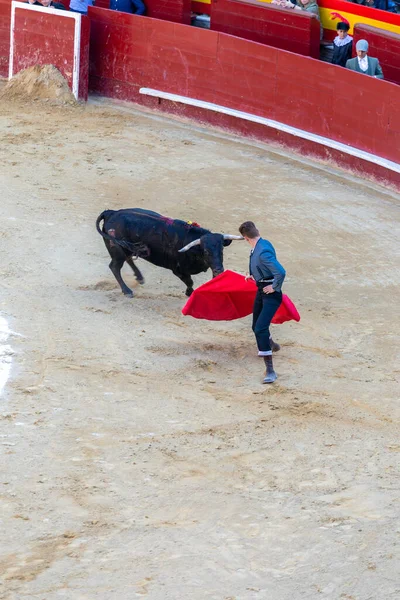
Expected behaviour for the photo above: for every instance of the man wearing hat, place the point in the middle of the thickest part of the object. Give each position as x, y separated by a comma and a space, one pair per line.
363, 63
342, 45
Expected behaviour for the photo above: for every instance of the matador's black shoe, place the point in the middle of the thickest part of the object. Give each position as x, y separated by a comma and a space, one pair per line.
274, 346
270, 375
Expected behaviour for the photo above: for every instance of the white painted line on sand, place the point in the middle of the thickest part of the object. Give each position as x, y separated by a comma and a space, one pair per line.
5, 353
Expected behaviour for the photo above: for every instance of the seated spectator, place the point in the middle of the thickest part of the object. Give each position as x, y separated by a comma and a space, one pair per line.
342, 45
47, 4
80, 6
389, 5
370, 3
308, 5
363, 63
136, 7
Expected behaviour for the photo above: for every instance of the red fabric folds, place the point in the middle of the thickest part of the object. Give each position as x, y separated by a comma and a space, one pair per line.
229, 296
286, 312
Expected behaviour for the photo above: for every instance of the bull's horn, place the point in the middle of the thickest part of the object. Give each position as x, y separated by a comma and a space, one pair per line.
188, 246
228, 236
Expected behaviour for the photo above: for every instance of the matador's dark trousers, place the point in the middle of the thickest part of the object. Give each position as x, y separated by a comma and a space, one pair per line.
265, 306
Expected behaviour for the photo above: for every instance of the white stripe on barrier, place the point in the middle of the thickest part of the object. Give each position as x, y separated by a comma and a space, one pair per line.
300, 133
77, 55
11, 60
77, 38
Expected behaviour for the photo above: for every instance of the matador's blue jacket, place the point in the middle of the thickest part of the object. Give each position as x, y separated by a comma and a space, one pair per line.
264, 264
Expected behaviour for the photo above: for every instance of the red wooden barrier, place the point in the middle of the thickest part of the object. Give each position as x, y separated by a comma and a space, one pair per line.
5, 20
177, 11
384, 46
130, 52
201, 7
5, 24
296, 31
56, 37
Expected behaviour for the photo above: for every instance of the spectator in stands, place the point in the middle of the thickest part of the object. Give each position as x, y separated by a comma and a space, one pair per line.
370, 3
47, 4
80, 6
342, 45
308, 5
136, 7
363, 63
389, 5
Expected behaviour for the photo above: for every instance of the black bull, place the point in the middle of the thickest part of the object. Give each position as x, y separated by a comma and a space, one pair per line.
186, 249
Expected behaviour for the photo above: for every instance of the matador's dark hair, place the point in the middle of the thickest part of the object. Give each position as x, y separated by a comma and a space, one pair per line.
249, 230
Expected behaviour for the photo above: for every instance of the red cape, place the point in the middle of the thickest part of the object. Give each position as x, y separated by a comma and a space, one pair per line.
229, 296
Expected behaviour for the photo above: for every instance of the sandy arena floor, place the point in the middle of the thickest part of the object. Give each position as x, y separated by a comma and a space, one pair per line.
142, 457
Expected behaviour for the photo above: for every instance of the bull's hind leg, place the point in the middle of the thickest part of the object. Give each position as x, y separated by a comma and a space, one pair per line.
188, 281
118, 258
138, 274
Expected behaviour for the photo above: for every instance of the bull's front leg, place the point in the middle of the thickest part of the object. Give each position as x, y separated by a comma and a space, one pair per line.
187, 280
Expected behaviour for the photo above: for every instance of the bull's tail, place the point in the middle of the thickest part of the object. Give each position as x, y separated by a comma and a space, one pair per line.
104, 215
137, 249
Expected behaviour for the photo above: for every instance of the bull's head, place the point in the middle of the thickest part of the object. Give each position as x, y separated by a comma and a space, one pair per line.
212, 245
